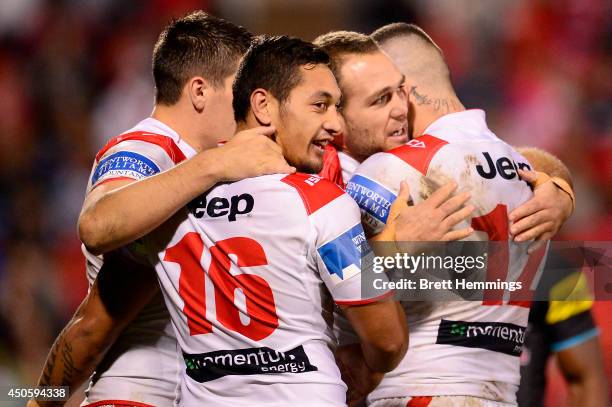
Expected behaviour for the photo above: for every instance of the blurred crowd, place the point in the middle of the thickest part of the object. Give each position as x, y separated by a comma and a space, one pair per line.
74, 73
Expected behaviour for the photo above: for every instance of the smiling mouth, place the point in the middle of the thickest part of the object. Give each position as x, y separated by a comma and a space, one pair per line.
320, 144
399, 133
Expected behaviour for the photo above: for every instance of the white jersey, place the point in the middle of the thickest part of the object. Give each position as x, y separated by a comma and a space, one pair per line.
462, 347
143, 364
250, 272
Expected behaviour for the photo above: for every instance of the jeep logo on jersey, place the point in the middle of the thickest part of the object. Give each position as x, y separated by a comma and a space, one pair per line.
342, 256
217, 207
506, 168
496, 336
204, 367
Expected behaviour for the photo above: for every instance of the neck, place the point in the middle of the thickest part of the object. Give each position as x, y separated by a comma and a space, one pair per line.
241, 126
184, 123
355, 157
427, 107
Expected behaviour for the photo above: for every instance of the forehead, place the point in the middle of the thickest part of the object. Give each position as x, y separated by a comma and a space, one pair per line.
317, 79
365, 74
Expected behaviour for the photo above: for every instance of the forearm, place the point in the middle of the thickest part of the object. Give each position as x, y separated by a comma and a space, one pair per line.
131, 211
70, 361
546, 162
382, 331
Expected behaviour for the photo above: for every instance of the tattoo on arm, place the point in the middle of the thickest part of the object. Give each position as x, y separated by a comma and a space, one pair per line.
45, 378
60, 369
69, 368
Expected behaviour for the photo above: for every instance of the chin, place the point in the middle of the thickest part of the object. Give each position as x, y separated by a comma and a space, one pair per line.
310, 167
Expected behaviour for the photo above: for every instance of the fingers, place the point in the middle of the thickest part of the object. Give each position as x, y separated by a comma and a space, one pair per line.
529, 176
400, 202
458, 216
533, 220
265, 130
454, 203
536, 231
457, 234
528, 208
278, 167
441, 194
404, 191
260, 130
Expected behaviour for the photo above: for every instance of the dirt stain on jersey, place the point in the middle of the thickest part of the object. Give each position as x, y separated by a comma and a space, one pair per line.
435, 178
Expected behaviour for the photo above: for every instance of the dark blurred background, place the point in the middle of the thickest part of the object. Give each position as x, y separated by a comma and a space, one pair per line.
75, 73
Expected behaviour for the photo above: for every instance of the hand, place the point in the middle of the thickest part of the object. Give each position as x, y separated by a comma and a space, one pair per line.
251, 153
541, 217
431, 220
356, 373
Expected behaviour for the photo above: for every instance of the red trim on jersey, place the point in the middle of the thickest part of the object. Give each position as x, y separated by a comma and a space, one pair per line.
419, 152
113, 179
315, 192
164, 142
419, 401
332, 170
118, 403
368, 301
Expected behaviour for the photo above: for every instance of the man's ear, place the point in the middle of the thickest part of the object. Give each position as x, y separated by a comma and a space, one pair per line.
261, 103
197, 89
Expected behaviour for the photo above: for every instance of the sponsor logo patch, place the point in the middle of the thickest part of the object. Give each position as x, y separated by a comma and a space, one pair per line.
204, 367
124, 164
371, 197
495, 336
219, 207
342, 256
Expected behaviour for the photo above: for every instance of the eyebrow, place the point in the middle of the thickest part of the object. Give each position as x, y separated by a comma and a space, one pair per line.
324, 94
387, 88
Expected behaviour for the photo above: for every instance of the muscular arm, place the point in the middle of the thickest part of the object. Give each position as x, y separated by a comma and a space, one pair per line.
382, 331
121, 290
582, 367
119, 212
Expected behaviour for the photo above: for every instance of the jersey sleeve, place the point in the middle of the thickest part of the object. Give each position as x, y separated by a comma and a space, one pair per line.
374, 187
134, 157
340, 250
339, 239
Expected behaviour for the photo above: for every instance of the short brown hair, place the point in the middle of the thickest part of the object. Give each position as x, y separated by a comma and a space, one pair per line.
395, 30
196, 44
340, 43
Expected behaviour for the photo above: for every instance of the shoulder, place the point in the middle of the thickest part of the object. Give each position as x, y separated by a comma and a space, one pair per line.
419, 152
143, 142
314, 191
135, 155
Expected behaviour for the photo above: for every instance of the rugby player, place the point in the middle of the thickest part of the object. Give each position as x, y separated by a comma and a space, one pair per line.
374, 105
136, 184
249, 270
